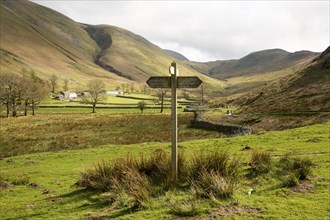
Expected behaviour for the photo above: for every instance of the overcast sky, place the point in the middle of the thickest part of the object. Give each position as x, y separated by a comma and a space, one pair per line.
211, 30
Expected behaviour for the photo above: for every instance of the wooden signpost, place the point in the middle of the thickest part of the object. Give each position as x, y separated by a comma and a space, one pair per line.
174, 82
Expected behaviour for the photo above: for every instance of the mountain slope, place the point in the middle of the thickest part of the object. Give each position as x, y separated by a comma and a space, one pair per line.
254, 63
176, 55
38, 38
307, 90
133, 57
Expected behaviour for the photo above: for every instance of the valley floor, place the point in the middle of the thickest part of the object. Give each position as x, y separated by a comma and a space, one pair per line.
41, 185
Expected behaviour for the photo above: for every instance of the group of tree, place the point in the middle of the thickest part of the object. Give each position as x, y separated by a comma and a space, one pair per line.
127, 87
53, 80
19, 93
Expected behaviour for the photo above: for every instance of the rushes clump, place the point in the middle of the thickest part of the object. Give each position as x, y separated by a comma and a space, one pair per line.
219, 162
214, 175
261, 162
120, 178
157, 167
294, 169
129, 181
22, 179
214, 185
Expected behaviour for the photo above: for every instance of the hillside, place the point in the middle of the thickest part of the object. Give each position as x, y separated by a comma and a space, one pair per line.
40, 39
134, 57
253, 64
176, 55
36, 38
307, 90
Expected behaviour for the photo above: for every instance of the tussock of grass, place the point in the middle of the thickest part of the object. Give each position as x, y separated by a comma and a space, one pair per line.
122, 179
131, 181
261, 162
214, 185
211, 175
290, 170
22, 179
294, 169
219, 162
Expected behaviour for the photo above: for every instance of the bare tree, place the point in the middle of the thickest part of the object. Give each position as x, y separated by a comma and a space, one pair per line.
35, 90
66, 84
131, 87
161, 95
11, 92
53, 81
5, 93
26, 91
125, 87
144, 89
94, 96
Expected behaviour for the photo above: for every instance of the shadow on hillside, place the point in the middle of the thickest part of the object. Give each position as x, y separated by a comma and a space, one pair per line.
85, 199
86, 195
35, 215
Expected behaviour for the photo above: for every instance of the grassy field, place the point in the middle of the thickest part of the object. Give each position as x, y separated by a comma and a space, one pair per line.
117, 100
53, 132
40, 185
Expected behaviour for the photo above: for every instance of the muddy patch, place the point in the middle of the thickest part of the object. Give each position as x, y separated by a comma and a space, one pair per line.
304, 187
228, 211
6, 185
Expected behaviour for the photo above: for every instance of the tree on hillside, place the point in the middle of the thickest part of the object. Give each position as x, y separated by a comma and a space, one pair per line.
161, 95
131, 87
11, 92
144, 89
4, 93
35, 90
124, 87
66, 84
53, 82
94, 96
21, 92
142, 105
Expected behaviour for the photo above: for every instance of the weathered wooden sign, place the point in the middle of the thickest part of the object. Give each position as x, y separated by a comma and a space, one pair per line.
159, 82
188, 82
182, 82
174, 82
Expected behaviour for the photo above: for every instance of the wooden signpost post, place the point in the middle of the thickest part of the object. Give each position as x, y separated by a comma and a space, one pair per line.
174, 82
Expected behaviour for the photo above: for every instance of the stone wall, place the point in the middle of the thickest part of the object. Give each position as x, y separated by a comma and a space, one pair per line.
230, 130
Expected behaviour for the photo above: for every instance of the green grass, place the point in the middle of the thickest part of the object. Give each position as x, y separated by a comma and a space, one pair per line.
53, 132
58, 171
101, 111
114, 100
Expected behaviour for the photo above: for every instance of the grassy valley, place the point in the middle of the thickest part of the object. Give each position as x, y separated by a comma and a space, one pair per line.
253, 139
42, 185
